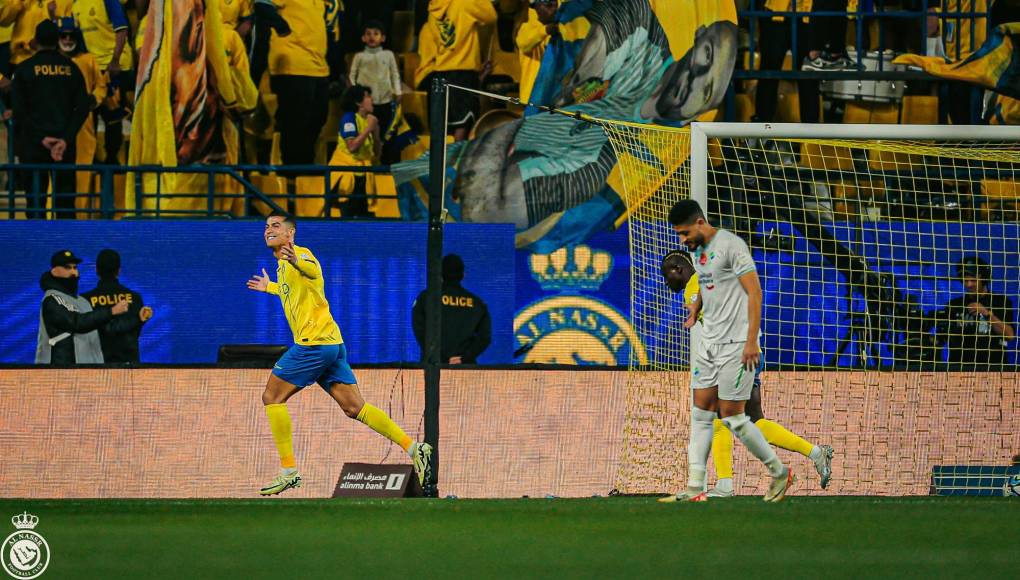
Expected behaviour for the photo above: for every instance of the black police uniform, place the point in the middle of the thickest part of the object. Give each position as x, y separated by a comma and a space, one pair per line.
119, 336
467, 327
49, 100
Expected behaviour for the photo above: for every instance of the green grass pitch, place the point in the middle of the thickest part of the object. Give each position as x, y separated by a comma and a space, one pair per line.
538, 538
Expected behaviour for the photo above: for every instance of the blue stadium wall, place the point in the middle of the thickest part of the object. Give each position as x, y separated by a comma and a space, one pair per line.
193, 273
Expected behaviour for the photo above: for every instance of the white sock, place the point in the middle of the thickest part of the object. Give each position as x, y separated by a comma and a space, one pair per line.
699, 447
288, 470
724, 484
412, 448
750, 435
816, 453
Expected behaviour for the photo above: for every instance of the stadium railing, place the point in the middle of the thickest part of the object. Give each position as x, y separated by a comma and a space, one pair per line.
20, 200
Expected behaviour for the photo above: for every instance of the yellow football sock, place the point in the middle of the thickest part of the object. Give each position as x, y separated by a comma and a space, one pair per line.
722, 450
279, 424
780, 436
381, 423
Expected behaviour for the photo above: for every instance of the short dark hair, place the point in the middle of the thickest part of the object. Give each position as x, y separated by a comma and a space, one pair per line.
287, 218
685, 256
352, 97
453, 268
374, 24
685, 212
974, 267
108, 263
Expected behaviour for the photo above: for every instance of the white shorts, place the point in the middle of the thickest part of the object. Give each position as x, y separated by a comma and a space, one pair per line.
718, 365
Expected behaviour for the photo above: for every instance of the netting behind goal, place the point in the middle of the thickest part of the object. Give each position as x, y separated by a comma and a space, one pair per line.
891, 265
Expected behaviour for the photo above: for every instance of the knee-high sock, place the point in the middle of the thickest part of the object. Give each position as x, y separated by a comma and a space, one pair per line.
782, 437
381, 423
722, 450
279, 424
699, 447
755, 442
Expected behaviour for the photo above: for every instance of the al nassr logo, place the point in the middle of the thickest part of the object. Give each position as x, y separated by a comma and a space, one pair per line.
571, 328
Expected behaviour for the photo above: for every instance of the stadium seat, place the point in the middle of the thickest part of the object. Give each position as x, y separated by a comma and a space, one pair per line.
274, 187
409, 63
385, 206
826, 157
416, 103
401, 38
1002, 200
744, 105
870, 113
919, 110
314, 185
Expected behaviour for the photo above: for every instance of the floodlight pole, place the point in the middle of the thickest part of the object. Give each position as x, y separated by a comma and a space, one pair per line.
434, 261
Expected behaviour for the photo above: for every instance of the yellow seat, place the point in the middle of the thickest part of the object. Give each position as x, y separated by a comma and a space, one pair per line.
272, 186
310, 185
920, 110
385, 206
401, 38
744, 105
409, 63
416, 103
826, 157
1001, 196
871, 113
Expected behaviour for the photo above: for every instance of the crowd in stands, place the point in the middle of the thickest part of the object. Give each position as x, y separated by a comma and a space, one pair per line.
347, 84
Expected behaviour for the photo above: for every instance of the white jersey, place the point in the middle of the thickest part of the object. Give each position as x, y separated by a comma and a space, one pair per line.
720, 265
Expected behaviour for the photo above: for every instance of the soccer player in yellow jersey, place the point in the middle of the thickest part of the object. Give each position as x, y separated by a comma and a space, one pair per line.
318, 356
678, 272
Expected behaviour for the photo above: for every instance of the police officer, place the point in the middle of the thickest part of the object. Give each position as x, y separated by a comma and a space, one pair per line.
119, 337
467, 328
67, 322
50, 103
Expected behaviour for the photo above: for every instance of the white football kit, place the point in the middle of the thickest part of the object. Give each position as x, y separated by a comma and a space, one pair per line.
716, 360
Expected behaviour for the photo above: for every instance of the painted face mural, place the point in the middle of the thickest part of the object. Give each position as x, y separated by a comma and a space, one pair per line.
642, 60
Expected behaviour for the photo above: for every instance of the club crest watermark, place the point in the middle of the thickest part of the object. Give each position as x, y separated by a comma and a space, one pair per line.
25, 553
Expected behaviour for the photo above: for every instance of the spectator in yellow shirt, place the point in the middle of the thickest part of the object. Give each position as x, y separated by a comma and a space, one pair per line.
237, 15
299, 77
25, 16
360, 146
455, 42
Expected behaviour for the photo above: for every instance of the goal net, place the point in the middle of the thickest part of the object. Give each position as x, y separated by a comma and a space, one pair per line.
889, 258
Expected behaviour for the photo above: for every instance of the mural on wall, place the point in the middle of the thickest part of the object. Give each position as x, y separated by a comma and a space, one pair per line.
555, 177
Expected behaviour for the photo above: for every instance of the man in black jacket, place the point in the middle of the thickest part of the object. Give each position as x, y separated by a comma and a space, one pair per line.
978, 325
119, 336
467, 328
50, 103
67, 323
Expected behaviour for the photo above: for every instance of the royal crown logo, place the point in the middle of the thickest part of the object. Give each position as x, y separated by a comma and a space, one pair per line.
25, 521
570, 328
579, 268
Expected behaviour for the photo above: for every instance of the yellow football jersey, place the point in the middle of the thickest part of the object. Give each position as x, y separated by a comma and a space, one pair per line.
303, 51
301, 290
691, 292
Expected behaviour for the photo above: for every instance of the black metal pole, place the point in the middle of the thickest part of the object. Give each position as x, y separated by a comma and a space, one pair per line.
434, 257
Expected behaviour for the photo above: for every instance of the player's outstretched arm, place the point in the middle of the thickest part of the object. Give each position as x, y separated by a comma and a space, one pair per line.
262, 283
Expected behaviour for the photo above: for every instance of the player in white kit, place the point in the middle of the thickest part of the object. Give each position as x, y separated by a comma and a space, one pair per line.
724, 361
